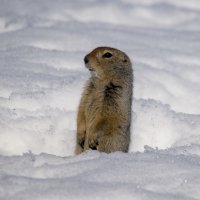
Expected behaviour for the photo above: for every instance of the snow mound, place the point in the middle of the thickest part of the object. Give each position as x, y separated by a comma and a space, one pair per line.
151, 175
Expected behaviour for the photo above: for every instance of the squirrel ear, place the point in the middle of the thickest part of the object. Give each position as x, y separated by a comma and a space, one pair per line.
124, 59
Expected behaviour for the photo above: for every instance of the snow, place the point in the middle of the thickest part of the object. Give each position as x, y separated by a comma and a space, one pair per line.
94, 175
42, 75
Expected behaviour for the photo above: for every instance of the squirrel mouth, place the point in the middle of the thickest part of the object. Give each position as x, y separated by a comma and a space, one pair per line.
90, 69
93, 72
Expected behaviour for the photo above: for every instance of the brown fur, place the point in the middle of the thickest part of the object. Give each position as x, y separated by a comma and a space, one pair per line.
104, 115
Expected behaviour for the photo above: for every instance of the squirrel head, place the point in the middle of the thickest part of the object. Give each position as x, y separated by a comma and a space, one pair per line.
107, 61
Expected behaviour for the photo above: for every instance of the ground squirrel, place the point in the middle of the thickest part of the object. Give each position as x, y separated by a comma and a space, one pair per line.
104, 115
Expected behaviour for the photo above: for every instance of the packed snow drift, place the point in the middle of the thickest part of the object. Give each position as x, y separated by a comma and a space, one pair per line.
42, 75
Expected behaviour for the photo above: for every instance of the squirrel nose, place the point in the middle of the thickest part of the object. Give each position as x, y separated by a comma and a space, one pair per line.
86, 60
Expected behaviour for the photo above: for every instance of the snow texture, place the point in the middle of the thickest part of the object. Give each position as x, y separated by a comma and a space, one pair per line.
42, 75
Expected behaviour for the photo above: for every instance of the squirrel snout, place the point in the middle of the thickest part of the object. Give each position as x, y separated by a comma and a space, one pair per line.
86, 59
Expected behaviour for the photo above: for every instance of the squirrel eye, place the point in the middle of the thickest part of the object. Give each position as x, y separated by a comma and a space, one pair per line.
107, 55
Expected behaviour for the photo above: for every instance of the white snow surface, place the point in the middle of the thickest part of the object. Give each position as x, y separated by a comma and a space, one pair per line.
42, 75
